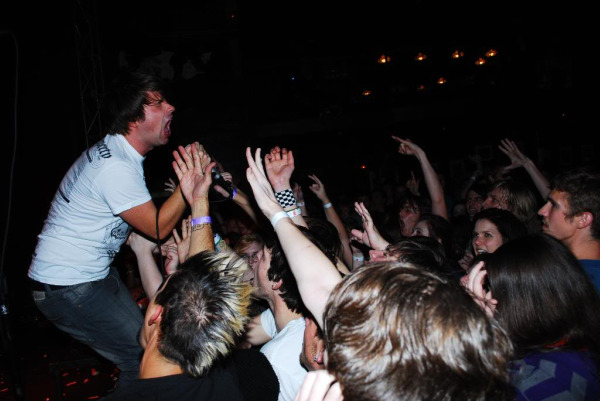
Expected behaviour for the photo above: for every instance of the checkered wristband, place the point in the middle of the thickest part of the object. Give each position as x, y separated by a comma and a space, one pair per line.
285, 198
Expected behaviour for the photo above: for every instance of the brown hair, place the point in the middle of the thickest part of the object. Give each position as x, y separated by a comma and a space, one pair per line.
395, 331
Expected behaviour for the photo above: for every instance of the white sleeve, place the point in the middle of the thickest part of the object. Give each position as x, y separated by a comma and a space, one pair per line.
267, 320
122, 187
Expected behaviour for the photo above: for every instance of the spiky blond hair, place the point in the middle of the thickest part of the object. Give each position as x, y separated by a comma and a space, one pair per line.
205, 307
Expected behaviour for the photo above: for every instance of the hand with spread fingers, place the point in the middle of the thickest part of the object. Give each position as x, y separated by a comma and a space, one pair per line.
369, 236
279, 166
183, 242
194, 179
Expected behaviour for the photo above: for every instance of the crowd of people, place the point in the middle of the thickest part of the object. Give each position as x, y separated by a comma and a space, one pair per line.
281, 292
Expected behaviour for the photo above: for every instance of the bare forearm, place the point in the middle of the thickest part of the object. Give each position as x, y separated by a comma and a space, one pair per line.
170, 213
315, 274
241, 199
541, 182
202, 234
434, 186
334, 218
149, 273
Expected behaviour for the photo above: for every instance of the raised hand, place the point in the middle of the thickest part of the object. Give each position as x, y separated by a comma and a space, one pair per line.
279, 165
261, 188
227, 177
370, 236
318, 188
413, 184
510, 149
407, 147
474, 284
169, 250
183, 242
170, 185
194, 180
298, 193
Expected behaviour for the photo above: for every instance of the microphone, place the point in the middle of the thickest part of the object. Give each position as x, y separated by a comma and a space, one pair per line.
218, 179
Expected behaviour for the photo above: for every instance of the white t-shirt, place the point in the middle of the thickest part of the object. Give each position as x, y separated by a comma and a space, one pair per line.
283, 351
83, 231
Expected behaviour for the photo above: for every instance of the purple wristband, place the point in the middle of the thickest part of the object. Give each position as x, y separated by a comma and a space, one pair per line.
201, 220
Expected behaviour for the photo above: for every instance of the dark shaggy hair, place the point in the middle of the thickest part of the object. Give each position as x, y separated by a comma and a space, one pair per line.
124, 102
544, 295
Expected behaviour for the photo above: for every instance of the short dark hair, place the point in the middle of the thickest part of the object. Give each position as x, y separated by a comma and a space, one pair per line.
508, 225
205, 307
327, 235
396, 332
126, 98
440, 229
544, 295
582, 189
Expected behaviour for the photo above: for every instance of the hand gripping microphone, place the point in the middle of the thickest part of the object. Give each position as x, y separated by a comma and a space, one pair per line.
218, 179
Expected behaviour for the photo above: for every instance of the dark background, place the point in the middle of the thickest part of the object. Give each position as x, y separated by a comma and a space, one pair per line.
291, 73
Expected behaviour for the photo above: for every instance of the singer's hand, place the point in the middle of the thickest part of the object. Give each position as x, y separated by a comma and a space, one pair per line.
221, 184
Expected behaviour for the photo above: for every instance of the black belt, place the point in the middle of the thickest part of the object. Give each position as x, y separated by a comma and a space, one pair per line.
37, 286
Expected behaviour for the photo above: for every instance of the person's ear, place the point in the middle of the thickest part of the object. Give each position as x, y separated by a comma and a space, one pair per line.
277, 285
584, 220
132, 125
156, 316
320, 354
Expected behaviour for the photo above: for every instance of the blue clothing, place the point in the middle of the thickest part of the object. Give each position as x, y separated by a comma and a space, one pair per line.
556, 375
592, 267
101, 314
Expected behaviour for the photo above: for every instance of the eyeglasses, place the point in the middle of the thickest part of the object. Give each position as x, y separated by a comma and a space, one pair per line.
252, 257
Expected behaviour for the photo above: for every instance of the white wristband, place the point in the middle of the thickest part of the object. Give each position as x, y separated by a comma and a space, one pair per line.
278, 216
294, 213
326, 205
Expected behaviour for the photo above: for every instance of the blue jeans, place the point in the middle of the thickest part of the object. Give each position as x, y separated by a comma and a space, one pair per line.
101, 314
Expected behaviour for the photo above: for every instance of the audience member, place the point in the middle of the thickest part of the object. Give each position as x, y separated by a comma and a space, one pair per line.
572, 215
493, 227
517, 198
539, 293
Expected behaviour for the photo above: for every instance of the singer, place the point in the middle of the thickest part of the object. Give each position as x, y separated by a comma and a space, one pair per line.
99, 199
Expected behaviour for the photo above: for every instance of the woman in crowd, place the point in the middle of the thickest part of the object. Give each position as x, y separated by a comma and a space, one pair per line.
537, 290
493, 227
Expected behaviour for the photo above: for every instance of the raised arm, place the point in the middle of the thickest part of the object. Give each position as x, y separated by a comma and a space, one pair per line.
432, 180
315, 275
144, 217
518, 159
149, 272
238, 196
333, 217
195, 191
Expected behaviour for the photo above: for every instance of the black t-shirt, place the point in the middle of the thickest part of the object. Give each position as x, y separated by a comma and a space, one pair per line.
246, 375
